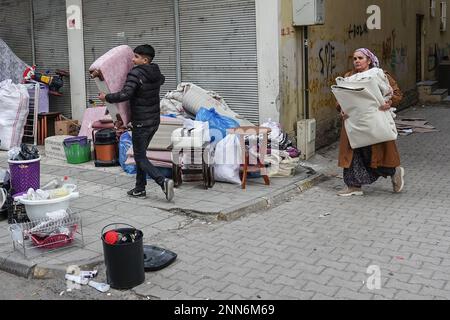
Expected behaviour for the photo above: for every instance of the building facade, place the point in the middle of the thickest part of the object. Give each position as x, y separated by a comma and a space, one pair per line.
249, 51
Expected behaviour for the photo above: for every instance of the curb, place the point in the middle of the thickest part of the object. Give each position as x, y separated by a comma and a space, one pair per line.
30, 270
46, 271
265, 203
17, 266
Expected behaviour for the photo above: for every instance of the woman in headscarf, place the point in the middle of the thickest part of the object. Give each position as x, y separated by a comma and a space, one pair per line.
366, 165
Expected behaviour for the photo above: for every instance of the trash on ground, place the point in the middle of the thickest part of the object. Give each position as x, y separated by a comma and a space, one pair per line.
89, 274
157, 258
324, 215
76, 279
408, 126
102, 287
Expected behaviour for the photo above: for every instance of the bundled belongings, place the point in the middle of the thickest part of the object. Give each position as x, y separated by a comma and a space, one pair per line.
162, 140
110, 73
279, 140
360, 97
11, 67
188, 99
194, 134
281, 164
54, 82
14, 99
217, 123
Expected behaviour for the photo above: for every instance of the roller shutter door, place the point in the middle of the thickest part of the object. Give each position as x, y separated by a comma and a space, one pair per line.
218, 50
132, 22
51, 45
15, 27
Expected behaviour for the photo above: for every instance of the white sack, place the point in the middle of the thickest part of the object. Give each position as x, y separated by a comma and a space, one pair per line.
228, 159
14, 108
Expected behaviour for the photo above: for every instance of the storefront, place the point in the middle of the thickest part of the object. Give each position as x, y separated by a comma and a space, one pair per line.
36, 32
211, 43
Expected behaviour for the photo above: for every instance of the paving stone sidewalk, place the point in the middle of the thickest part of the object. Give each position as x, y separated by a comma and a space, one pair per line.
315, 245
103, 201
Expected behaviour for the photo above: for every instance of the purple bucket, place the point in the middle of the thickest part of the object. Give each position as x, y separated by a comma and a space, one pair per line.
25, 175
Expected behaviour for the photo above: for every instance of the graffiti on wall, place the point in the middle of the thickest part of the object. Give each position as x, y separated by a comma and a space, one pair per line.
327, 62
394, 55
355, 31
327, 57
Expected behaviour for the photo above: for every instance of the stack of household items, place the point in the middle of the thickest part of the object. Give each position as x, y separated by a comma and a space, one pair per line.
39, 217
194, 127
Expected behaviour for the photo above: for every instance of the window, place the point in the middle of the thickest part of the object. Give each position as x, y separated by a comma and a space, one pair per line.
443, 16
433, 8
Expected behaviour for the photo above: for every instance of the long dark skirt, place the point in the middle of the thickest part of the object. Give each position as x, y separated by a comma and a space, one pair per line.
360, 173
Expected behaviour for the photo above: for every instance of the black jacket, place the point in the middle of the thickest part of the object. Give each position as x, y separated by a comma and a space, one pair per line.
142, 90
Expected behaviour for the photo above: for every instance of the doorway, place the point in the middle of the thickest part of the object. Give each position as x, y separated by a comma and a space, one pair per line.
420, 62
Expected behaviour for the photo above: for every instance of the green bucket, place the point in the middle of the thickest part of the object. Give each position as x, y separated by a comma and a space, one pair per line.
78, 150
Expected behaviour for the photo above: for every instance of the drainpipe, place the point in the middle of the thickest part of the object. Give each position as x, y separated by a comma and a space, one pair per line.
306, 73
33, 47
177, 39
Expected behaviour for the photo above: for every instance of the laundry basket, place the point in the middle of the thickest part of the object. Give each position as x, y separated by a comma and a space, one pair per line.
25, 175
77, 149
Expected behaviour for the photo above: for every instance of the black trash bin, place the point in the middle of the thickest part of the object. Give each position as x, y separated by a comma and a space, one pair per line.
124, 261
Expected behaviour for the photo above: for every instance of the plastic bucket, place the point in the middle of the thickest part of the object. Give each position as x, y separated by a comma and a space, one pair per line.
25, 175
125, 261
77, 150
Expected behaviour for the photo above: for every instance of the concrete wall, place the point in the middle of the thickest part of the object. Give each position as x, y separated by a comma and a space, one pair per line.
332, 46
76, 53
267, 26
291, 72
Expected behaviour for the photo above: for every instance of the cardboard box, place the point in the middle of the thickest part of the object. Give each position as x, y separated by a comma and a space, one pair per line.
54, 147
66, 127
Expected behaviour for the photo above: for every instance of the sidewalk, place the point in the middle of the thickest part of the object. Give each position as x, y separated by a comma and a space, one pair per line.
103, 201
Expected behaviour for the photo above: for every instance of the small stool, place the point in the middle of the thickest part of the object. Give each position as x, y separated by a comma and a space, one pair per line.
46, 127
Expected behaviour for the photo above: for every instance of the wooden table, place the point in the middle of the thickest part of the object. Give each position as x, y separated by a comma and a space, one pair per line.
46, 125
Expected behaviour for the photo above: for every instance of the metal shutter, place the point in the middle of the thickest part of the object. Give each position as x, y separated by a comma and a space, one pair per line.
51, 47
15, 27
108, 24
218, 50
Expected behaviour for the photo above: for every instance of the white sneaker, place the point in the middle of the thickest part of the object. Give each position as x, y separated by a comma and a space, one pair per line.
398, 181
348, 192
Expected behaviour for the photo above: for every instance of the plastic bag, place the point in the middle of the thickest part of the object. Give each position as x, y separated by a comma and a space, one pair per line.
125, 144
218, 124
14, 102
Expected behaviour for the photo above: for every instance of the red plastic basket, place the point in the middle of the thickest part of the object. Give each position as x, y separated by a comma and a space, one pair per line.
56, 241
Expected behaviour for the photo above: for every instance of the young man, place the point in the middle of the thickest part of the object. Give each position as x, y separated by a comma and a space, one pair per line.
142, 90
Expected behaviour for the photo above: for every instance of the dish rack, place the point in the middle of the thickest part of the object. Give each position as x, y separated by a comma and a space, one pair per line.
39, 237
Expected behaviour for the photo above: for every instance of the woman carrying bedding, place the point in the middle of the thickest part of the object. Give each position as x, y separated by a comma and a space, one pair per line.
366, 165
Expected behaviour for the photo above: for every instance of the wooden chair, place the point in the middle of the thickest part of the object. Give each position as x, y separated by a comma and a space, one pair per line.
253, 160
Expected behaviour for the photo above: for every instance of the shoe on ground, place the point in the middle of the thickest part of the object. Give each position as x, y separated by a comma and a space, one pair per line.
398, 180
168, 189
348, 192
135, 193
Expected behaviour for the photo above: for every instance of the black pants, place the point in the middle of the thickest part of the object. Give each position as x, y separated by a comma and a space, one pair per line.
141, 139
